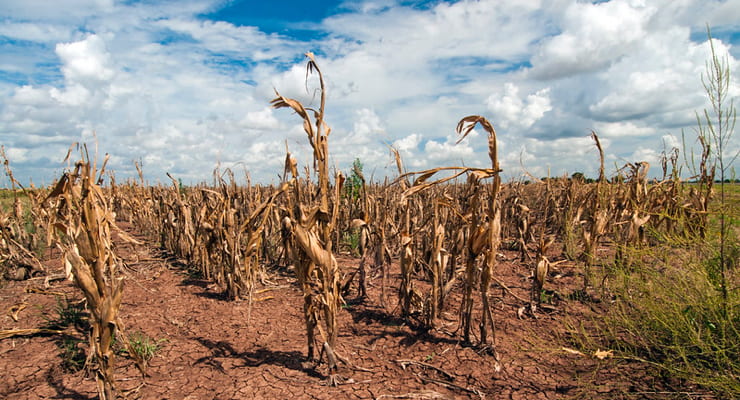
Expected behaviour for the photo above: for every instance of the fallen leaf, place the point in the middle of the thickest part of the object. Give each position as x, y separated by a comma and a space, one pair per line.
603, 354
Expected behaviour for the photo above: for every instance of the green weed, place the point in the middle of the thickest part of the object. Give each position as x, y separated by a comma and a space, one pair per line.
68, 314
73, 356
143, 348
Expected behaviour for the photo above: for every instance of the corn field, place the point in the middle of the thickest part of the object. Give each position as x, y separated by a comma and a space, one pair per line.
431, 240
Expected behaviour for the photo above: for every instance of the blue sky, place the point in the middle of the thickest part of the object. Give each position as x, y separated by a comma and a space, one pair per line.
292, 18
184, 86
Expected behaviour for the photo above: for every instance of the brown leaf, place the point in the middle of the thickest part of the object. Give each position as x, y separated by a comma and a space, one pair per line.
603, 354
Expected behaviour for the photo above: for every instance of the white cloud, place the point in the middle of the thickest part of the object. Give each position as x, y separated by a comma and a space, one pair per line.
448, 153
594, 36
55, 10
562, 156
511, 110
35, 32
157, 81
74, 95
85, 60
646, 154
660, 84
408, 143
622, 130
219, 36
17, 155
263, 119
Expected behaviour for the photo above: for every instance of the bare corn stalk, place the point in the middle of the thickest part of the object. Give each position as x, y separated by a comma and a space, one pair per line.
493, 213
309, 226
484, 226
20, 231
597, 219
84, 223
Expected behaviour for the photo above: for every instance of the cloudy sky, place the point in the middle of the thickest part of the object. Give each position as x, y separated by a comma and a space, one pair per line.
182, 86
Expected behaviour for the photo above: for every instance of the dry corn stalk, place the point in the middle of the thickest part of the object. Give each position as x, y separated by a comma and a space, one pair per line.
484, 237
405, 289
541, 270
438, 260
17, 259
308, 229
476, 244
84, 223
597, 219
493, 213
438, 256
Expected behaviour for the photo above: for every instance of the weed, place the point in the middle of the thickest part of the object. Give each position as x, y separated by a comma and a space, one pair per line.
353, 185
142, 347
73, 356
351, 239
672, 317
68, 313
546, 297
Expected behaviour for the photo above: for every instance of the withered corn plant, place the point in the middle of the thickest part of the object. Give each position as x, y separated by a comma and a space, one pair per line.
666, 204
244, 246
406, 292
475, 246
631, 212
697, 210
542, 264
542, 267
493, 228
484, 227
371, 227
569, 206
596, 219
20, 231
84, 224
308, 228
424, 247
362, 225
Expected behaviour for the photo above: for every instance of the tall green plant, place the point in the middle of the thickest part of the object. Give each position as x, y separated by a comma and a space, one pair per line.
355, 181
716, 126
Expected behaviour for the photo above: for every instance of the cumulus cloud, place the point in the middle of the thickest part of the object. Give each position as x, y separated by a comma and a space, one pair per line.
509, 109
158, 82
660, 84
263, 119
622, 129
594, 36
86, 60
448, 152
58, 10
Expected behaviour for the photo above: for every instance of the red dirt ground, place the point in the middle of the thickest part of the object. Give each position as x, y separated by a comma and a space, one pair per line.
210, 348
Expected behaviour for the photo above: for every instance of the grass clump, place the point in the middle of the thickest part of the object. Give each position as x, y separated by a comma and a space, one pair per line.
673, 315
351, 241
143, 348
68, 313
677, 305
73, 355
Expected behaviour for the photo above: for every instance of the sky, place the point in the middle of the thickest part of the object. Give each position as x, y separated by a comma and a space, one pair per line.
184, 86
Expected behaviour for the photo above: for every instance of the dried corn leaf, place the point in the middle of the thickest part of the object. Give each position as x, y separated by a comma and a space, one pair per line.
601, 354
